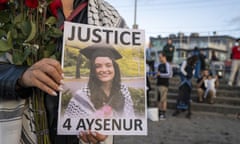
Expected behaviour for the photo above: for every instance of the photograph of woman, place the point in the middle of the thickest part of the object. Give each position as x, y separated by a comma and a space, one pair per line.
104, 96
104, 82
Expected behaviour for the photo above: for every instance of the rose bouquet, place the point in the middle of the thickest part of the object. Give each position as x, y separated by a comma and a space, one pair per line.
28, 33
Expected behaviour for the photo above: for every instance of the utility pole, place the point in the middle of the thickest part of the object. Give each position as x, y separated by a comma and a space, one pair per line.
135, 26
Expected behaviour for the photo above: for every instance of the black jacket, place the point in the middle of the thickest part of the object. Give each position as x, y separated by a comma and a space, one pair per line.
168, 53
9, 74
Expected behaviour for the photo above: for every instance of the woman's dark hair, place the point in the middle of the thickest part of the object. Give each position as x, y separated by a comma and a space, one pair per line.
98, 97
192, 60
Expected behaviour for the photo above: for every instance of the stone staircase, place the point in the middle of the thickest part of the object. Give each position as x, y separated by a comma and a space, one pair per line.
227, 101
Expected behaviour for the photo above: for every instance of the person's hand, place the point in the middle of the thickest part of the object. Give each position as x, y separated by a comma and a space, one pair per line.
45, 74
92, 137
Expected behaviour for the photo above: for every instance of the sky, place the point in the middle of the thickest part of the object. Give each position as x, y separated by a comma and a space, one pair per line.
161, 17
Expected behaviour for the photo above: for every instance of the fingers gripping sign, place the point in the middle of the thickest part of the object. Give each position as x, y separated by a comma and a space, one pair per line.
92, 137
46, 75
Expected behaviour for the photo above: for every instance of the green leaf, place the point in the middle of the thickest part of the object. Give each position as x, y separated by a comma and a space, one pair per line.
4, 17
18, 19
33, 32
51, 21
49, 50
18, 57
2, 33
25, 27
14, 33
49, 1
51, 47
55, 32
9, 37
5, 46
46, 54
27, 53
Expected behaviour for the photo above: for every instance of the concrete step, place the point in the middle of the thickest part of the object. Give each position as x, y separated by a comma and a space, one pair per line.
222, 84
219, 100
220, 92
204, 107
216, 108
227, 101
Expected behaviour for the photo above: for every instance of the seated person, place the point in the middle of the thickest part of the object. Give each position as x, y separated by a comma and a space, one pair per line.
210, 84
202, 89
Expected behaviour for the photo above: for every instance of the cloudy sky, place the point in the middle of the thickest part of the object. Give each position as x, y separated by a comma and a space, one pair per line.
160, 17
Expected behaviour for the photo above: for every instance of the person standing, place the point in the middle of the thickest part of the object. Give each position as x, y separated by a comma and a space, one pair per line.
235, 64
202, 58
200, 65
163, 75
213, 61
185, 88
151, 57
169, 49
148, 84
214, 56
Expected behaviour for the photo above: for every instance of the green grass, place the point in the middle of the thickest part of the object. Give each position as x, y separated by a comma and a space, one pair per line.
71, 71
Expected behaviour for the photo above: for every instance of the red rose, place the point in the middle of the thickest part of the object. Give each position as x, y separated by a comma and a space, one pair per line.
31, 3
3, 4
3, 1
54, 5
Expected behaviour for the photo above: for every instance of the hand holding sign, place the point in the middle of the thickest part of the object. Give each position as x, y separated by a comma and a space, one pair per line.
92, 137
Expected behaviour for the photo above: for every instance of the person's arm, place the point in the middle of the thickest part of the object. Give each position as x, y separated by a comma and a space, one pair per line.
168, 74
216, 82
45, 74
9, 78
206, 83
200, 82
183, 66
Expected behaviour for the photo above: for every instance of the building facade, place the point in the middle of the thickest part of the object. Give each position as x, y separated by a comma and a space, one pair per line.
184, 45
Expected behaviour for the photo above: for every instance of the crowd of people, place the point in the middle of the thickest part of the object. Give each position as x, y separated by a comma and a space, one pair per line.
193, 69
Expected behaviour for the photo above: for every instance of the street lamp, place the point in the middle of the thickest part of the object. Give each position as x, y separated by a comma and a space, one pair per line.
135, 26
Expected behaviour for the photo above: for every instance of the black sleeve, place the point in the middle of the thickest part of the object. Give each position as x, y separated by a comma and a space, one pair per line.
165, 49
9, 74
200, 79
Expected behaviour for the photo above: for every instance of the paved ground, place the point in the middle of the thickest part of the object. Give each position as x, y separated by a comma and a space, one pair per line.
202, 128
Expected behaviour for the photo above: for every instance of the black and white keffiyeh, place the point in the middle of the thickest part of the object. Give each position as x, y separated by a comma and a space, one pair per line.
101, 13
81, 106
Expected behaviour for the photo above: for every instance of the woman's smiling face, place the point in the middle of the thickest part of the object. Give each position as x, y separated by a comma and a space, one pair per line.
104, 69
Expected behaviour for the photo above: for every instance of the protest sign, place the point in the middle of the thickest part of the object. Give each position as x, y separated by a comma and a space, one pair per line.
104, 84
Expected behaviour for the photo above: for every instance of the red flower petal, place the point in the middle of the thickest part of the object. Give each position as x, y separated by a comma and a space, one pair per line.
55, 4
31, 3
3, 1
2, 6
